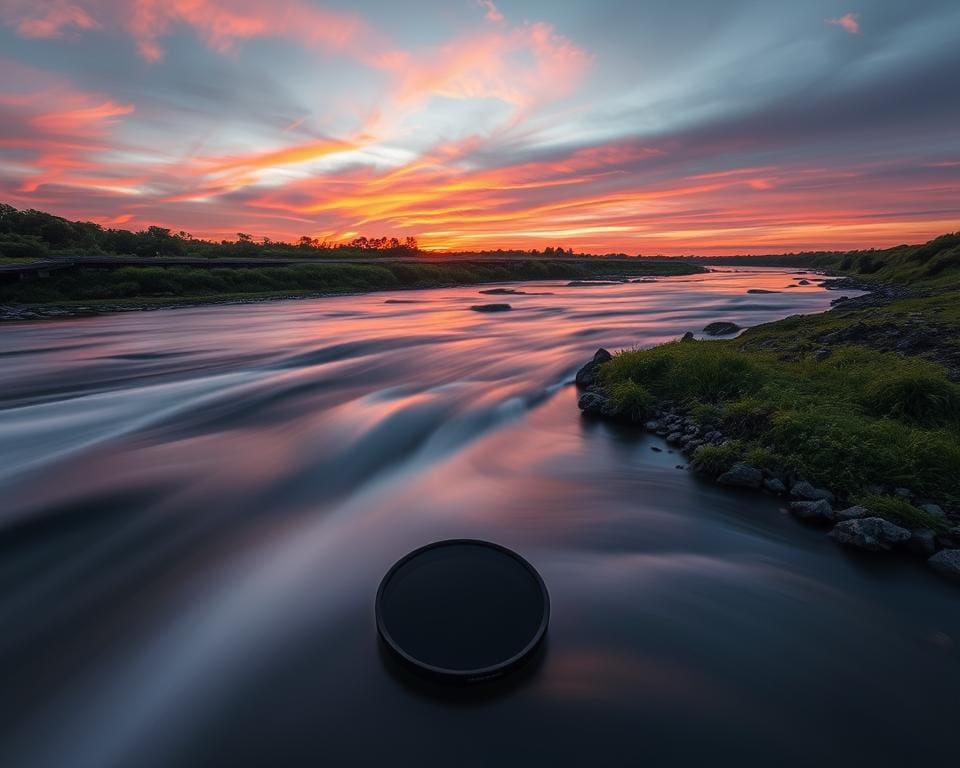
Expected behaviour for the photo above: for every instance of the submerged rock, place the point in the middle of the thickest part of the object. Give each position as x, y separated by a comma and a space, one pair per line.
721, 328
946, 562
922, 541
743, 476
873, 534
760, 290
587, 375
812, 510
805, 490
491, 307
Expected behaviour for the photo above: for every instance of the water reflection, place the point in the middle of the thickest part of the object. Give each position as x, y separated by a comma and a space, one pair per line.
199, 505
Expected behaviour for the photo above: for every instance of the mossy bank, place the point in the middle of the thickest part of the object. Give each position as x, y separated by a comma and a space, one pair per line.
854, 413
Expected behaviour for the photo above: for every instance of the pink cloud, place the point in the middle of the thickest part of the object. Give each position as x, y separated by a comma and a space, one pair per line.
47, 20
221, 24
522, 66
492, 12
849, 22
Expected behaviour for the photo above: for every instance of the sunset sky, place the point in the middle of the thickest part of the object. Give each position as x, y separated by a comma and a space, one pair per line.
661, 126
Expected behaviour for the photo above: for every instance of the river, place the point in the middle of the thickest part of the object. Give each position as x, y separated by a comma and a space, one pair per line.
197, 505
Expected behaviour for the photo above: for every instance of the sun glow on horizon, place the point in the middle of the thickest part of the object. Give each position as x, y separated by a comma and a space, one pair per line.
485, 126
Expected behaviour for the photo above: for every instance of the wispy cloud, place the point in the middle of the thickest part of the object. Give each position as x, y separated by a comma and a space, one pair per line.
849, 22
492, 12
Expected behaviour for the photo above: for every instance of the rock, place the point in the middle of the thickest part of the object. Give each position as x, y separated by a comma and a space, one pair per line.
502, 292
873, 534
688, 336
760, 290
851, 513
812, 510
821, 354
934, 510
721, 329
655, 449
593, 404
590, 283
774, 485
652, 426
946, 562
804, 490
491, 307
803, 282
743, 476
922, 541
903, 493
587, 376
674, 438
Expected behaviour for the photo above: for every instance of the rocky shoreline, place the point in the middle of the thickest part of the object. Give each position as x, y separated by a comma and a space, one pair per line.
850, 524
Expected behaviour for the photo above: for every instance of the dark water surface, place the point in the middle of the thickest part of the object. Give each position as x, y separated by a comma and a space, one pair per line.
198, 505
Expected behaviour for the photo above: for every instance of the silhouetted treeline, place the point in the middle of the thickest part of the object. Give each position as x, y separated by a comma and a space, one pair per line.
35, 234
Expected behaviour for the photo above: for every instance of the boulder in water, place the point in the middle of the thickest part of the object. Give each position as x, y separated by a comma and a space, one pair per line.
587, 376
721, 328
491, 307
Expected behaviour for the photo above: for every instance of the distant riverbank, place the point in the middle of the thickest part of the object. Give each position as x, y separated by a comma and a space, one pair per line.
91, 290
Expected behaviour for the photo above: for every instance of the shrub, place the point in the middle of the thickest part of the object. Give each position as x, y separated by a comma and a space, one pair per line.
632, 400
714, 460
918, 396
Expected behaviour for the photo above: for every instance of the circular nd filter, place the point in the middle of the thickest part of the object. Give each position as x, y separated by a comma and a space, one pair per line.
462, 609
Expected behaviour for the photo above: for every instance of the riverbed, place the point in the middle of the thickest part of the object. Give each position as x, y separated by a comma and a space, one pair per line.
197, 505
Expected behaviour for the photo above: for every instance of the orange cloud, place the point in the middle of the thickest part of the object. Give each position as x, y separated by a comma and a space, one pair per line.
849, 21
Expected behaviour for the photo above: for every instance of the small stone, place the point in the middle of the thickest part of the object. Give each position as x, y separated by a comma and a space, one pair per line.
873, 534
742, 475
922, 541
674, 438
804, 490
812, 510
491, 307
903, 493
655, 449
652, 426
946, 562
934, 510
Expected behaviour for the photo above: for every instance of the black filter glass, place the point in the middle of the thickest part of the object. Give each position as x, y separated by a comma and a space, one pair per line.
463, 609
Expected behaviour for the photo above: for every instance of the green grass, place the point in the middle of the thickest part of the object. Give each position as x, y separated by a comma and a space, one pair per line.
857, 418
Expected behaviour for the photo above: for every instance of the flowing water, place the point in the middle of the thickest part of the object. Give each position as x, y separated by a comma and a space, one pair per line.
198, 505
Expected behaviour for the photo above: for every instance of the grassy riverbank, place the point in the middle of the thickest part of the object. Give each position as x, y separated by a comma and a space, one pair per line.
861, 400
158, 285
